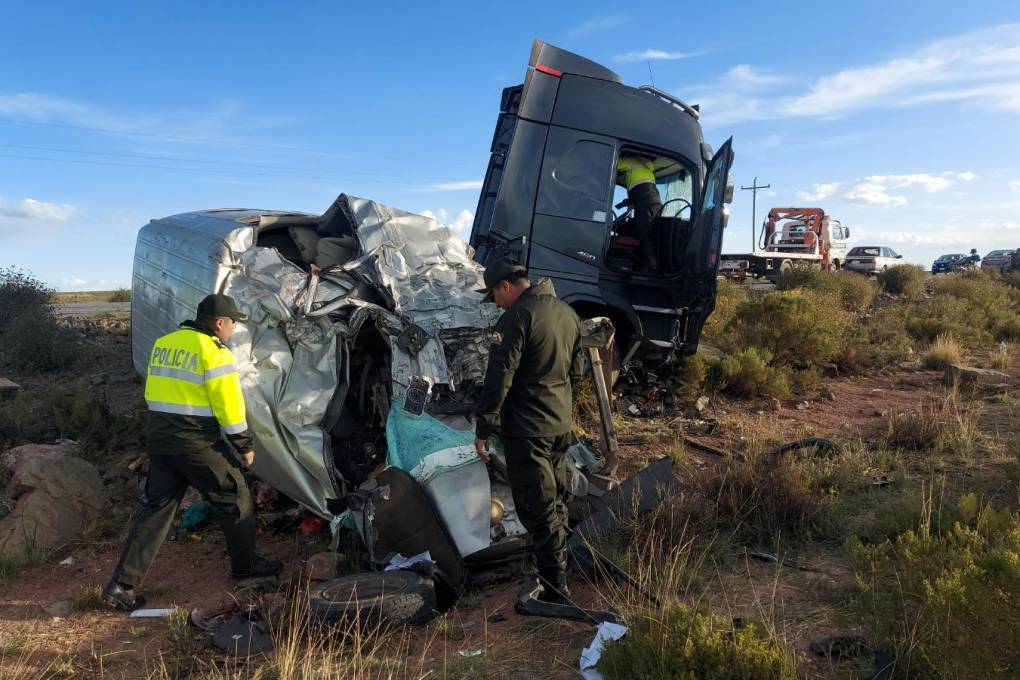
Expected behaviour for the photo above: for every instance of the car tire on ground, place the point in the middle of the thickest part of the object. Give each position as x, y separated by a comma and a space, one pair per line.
377, 598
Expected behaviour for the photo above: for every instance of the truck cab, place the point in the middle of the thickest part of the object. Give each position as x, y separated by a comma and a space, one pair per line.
553, 200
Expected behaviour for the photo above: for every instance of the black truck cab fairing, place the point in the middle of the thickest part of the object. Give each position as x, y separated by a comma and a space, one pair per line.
552, 198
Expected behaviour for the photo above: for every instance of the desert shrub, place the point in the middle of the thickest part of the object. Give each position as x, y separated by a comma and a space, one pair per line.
797, 328
942, 425
855, 293
20, 292
37, 340
806, 381
973, 325
903, 279
1012, 279
942, 352
748, 373
728, 297
881, 340
121, 295
944, 595
678, 643
693, 373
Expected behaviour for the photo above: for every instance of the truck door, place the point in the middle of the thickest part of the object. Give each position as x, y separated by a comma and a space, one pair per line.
700, 260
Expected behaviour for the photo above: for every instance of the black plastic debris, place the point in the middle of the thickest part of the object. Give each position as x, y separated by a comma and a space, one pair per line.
528, 604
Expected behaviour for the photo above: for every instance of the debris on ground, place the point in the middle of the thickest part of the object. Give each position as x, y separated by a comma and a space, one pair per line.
312, 525
838, 646
782, 560
590, 655
8, 387
57, 496
468, 653
195, 517
322, 566
151, 613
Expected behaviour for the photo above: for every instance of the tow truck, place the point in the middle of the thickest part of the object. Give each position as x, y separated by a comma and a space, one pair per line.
792, 237
551, 188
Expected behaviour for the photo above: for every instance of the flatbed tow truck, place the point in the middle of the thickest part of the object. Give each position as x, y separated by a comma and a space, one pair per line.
791, 237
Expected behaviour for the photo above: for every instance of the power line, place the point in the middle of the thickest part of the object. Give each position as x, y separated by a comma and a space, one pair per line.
754, 189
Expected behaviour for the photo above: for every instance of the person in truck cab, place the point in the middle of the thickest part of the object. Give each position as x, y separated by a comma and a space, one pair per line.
637, 175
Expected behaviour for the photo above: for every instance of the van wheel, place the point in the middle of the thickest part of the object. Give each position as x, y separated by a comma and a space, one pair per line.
396, 598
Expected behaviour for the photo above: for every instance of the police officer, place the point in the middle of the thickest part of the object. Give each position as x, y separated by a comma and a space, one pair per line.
527, 399
194, 398
637, 174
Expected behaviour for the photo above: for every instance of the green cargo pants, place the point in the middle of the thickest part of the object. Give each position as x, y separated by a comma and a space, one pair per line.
537, 467
217, 477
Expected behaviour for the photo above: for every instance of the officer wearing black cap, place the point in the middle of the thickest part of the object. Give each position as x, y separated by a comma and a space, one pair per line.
196, 406
527, 399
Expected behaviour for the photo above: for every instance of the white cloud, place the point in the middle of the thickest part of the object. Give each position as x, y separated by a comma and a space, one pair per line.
1015, 185
31, 209
875, 190
655, 55
980, 68
458, 186
821, 192
595, 26
73, 282
461, 223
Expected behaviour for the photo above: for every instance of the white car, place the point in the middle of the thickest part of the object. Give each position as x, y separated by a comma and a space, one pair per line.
871, 259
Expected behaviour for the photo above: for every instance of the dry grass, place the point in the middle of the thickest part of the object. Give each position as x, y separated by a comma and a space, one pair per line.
942, 352
943, 425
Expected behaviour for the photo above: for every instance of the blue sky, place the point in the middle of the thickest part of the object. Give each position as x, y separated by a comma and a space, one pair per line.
900, 118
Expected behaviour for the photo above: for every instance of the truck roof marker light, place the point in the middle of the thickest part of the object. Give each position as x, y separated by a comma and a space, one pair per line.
548, 70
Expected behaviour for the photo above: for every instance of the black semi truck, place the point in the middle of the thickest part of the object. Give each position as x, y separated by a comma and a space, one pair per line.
552, 199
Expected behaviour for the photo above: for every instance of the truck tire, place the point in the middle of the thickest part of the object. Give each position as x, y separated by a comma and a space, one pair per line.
388, 598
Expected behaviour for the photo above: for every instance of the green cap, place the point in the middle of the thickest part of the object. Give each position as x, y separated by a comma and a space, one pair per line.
220, 305
500, 270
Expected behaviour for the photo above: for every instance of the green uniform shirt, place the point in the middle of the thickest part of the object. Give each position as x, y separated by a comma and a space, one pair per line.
529, 380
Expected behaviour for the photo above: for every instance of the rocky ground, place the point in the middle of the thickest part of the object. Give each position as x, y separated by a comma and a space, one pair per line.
50, 623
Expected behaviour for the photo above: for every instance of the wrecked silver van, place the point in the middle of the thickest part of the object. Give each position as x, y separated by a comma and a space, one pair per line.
360, 362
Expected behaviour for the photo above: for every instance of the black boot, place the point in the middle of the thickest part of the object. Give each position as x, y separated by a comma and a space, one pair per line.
554, 588
117, 596
260, 567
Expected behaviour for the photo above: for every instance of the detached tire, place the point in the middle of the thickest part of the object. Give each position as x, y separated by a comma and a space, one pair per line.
376, 598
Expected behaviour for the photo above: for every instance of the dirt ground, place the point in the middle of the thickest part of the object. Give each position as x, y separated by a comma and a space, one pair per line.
192, 573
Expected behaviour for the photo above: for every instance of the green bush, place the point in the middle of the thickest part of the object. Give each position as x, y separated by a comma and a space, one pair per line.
693, 373
748, 373
728, 297
20, 292
121, 295
944, 596
903, 279
797, 328
679, 643
881, 340
37, 340
803, 277
855, 292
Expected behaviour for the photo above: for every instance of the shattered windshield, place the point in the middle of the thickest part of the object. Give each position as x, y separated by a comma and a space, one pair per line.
676, 191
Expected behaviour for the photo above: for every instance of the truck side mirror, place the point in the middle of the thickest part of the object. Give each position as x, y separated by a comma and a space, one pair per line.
728, 194
846, 232
725, 216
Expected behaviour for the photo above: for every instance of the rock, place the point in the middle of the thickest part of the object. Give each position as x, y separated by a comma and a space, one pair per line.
98, 379
911, 366
803, 405
8, 387
13, 457
969, 377
701, 404
57, 497
827, 393
775, 404
322, 566
831, 370
60, 609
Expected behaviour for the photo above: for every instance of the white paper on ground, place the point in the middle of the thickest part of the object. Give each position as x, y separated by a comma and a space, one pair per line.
593, 652
150, 613
398, 561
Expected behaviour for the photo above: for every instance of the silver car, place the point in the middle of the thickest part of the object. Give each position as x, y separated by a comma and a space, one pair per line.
871, 259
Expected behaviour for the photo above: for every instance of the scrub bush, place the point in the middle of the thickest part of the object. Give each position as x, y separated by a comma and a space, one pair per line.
121, 295
943, 425
944, 595
802, 277
35, 339
942, 352
20, 292
680, 643
693, 373
903, 279
797, 328
855, 292
729, 296
748, 373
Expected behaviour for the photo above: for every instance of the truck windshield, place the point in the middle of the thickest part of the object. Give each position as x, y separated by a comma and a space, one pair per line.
676, 192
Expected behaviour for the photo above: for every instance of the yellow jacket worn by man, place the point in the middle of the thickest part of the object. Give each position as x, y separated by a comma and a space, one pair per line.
195, 402
637, 174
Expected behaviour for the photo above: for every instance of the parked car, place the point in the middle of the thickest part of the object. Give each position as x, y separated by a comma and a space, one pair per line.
997, 259
733, 269
946, 263
871, 259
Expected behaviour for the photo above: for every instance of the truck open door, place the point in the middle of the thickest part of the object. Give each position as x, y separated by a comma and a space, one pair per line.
700, 262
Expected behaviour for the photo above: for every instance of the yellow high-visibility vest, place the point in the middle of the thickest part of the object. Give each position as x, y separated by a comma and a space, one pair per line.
194, 374
635, 170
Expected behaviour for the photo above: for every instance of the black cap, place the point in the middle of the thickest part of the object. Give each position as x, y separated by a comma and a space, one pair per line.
500, 270
220, 305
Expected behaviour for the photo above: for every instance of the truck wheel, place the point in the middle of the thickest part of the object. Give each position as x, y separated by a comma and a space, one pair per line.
377, 598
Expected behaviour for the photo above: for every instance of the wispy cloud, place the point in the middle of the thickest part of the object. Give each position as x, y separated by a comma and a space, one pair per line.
1015, 185
458, 186
595, 25
979, 68
655, 55
875, 189
821, 192
31, 209
460, 223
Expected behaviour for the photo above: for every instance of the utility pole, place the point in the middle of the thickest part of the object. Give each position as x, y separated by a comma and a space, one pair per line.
754, 189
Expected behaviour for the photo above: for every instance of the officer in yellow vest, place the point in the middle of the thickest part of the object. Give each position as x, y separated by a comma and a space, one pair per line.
637, 174
195, 403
